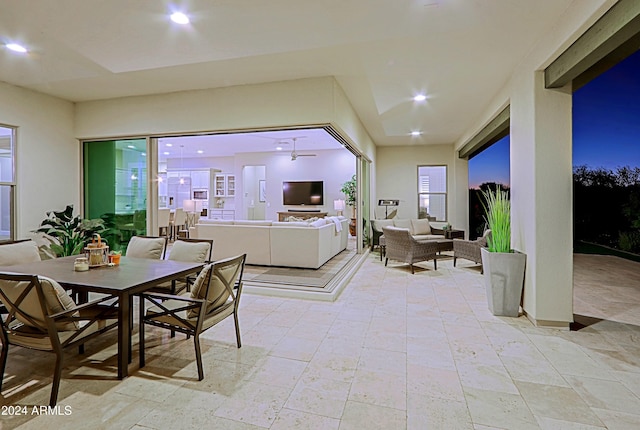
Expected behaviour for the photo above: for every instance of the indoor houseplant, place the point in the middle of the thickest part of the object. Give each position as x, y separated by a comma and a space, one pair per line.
68, 235
349, 189
503, 268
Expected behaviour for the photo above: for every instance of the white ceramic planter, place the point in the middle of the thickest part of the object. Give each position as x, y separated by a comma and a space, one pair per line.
503, 280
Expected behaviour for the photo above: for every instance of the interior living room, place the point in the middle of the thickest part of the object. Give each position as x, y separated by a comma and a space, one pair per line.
401, 85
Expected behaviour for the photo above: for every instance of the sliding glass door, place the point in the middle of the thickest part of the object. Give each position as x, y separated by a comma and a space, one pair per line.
115, 187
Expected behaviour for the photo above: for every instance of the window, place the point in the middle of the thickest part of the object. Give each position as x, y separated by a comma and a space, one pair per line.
7, 181
432, 192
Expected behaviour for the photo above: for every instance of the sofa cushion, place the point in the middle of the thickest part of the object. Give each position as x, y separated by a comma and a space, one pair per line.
318, 223
216, 221
253, 222
420, 226
402, 223
290, 224
428, 237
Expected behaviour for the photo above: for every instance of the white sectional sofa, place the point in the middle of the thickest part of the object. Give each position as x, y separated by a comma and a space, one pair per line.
271, 243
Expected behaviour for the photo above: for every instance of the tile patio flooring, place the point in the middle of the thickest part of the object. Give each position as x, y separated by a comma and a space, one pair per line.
395, 351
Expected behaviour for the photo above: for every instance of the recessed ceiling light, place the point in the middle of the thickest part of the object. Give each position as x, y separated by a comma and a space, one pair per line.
200, 151
166, 153
416, 133
278, 148
419, 98
131, 147
16, 48
168, 144
179, 18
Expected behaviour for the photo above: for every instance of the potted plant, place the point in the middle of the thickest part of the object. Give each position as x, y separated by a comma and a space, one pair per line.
68, 235
349, 189
503, 267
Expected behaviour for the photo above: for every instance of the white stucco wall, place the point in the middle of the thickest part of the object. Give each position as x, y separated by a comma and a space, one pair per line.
47, 173
397, 178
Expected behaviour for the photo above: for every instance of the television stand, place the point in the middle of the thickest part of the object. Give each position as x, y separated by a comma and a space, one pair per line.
282, 216
303, 210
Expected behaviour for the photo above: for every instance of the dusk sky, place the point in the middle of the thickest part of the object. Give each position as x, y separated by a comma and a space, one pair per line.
606, 127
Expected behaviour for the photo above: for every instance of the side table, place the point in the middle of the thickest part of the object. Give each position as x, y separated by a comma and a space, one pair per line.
454, 234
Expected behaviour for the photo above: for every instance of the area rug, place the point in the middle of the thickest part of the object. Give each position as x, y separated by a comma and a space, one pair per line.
293, 277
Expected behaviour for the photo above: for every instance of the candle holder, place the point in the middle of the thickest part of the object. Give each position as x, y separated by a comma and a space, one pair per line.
97, 252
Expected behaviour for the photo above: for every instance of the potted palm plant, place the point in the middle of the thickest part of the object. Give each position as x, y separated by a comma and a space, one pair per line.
503, 267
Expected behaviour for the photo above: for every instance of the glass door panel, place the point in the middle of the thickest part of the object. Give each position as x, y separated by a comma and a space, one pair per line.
115, 188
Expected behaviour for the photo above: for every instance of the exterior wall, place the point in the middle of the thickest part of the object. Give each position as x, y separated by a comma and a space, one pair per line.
397, 178
47, 157
541, 171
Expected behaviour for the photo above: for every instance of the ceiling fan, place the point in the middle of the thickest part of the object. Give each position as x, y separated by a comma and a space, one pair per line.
295, 155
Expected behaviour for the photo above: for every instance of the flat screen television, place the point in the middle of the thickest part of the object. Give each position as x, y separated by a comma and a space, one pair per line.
303, 193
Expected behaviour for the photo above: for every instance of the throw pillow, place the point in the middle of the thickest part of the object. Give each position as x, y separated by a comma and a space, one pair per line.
218, 293
420, 226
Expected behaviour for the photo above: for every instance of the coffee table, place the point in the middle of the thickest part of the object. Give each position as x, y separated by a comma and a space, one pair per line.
132, 276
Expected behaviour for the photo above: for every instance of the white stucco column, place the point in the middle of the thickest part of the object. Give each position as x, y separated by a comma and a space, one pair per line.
541, 197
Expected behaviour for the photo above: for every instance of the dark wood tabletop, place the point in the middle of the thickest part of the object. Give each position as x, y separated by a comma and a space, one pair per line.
130, 277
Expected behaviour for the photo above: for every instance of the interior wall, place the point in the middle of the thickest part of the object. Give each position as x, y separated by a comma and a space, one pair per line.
333, 167
47, 154
397, 178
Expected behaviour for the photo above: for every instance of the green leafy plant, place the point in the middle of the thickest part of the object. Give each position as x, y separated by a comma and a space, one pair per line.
498, 217
349, 190
68, 235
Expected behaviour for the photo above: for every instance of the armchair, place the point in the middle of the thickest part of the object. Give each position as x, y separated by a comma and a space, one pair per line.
214, 297
401, 246
470, 249
43, 317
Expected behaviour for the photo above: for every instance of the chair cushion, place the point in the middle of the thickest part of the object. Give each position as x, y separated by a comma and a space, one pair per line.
378, 224
56, 300
146, 247
420, 226
218, 293
196, 252
17, 253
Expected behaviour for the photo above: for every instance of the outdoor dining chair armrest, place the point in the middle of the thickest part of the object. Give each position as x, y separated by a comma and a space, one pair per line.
81, 306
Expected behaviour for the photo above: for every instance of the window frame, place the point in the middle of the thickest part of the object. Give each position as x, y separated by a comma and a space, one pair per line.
12, 183
445, 193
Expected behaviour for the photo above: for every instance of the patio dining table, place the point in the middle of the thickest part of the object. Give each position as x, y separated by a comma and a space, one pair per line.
132, 276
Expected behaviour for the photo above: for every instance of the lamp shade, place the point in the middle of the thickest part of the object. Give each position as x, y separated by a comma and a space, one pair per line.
338, 205
189, 205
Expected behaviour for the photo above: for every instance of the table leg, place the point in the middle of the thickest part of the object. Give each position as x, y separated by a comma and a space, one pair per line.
124, 335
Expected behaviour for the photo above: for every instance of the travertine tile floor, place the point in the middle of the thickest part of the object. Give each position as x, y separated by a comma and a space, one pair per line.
395, 351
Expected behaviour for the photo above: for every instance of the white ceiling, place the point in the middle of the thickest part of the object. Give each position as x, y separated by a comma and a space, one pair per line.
382, 52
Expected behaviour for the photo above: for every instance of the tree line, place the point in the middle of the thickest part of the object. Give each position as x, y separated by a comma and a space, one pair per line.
606, 207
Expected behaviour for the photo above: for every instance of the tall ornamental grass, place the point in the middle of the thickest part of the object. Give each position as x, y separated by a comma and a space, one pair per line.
498, 217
